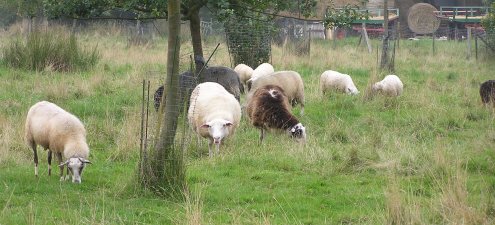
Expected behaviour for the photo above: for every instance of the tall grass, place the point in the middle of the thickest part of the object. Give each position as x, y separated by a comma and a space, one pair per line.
53, 51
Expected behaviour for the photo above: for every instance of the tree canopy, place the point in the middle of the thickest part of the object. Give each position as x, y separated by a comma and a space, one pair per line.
158, 9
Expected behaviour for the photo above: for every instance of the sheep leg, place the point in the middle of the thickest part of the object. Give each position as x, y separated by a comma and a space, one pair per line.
59, 157
210, 152
67, 175
49, 163
262, 135
33, 146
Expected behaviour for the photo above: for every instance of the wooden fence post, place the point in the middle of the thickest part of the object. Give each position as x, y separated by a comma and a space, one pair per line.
468, 43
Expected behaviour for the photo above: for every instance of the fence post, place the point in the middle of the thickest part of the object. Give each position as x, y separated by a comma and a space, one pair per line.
366, 39
398, 34
468, 43
476, 45
433, 42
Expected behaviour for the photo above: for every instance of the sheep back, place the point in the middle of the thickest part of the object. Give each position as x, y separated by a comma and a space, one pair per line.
289, 81
210, 101
261, 70
187, 82
224, 76
53, 128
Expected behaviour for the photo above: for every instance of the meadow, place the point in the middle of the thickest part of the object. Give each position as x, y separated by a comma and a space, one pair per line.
427, 157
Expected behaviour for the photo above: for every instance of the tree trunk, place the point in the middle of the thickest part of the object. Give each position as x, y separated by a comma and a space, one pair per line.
166, 173
195, 28
384, 63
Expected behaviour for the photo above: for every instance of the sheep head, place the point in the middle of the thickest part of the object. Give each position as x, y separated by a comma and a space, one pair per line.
298, 132
351, 91
76, 166
377, 86
218, 129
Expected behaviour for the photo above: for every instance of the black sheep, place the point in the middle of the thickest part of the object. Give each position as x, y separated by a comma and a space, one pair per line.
487, 92
225, 76
187, 82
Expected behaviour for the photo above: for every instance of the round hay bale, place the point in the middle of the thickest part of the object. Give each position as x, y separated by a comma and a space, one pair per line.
422, 19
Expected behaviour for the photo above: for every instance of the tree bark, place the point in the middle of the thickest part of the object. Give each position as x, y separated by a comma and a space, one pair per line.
384, 63
195, 29
167, 171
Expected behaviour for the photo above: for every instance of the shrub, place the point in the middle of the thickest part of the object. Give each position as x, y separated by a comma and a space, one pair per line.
489, 25
49, 50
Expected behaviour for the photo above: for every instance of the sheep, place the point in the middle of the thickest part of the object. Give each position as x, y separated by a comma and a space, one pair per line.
269, 109
57, 131
487, 92
289, 81
214, 113
187, 82
261, 70
225, 76
390, 86
244, 71
334, 80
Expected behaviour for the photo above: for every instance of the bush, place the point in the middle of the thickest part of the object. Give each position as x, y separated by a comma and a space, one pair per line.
489, 25
49, 50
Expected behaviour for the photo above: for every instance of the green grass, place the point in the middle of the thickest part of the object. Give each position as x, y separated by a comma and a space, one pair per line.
426, 157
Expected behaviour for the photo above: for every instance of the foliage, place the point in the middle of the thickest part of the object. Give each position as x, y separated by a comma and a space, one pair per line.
29, 8
47, 50
98, 8
488, 24
8, 12
342, 17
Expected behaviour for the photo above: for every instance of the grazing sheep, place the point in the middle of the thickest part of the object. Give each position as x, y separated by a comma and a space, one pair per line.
269, 109
244, 71
214, 113
59, 132
487, 92
333, 80
389, 86
186, 85
225, 76
261, 70
289, 81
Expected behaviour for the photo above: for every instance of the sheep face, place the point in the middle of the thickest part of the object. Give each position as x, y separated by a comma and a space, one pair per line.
351, 91
377, 86
218, 129
298, 132
76, 166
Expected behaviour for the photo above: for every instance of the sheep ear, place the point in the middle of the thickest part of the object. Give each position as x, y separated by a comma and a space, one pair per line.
83, 160
64, 163
205, 125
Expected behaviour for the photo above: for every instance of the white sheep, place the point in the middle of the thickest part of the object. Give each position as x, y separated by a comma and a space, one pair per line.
290, 81
244, 71
390, 86
59, 132
261, 70
333, 80
214, 113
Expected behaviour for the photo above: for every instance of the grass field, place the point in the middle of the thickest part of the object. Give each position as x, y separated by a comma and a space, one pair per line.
427, 157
